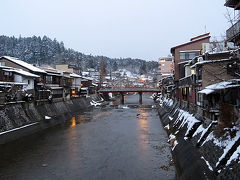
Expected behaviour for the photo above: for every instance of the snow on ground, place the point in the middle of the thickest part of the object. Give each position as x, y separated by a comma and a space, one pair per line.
127, 73
235, 156
166, 127
187, 118
95, 103
229, 144
225, 142
204, 131
174, 144
199, 130
168, 101
171, 137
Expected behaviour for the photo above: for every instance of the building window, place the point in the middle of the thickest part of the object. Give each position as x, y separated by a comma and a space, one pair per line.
49, 79
192, 55
190, 91
2, 63
182, 56
189, 55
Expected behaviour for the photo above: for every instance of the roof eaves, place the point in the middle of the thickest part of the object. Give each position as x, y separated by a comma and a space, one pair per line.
190, 42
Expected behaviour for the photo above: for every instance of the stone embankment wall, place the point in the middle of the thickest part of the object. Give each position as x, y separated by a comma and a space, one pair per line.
199, 150
25, 118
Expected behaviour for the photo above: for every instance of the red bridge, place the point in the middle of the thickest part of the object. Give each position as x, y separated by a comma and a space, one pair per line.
130, 90
134, 89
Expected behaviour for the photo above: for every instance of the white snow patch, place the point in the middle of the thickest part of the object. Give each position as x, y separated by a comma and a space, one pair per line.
110, 95
167, 127
209, 166
234, 156
210, 136
5, 132
188, 119
125, 107
171, 137
94, 103
199, 130
47, 117
230, 144
24, 64
174, 145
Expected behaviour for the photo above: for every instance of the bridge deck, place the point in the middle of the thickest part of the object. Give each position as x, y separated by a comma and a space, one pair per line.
126, 90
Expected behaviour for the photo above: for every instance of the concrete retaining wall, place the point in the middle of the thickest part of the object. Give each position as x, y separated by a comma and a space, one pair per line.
199, 150
24, 118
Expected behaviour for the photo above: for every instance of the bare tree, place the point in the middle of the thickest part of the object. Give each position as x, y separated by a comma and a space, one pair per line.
102, 72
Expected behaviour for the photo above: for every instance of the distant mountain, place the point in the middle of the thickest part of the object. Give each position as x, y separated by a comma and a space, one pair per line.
37, 50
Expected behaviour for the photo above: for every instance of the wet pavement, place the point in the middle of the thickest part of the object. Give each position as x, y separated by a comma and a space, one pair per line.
112, 142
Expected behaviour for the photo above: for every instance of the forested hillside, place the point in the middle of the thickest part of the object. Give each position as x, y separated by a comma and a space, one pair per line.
43, 50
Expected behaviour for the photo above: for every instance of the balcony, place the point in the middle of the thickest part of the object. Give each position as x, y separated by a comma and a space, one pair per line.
233, 33
187, 81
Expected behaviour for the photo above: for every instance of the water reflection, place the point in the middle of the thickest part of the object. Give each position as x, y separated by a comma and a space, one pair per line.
143, 125
73, 120
87, 117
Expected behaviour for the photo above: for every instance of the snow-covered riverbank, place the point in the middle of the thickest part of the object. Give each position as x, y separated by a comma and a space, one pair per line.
215, 154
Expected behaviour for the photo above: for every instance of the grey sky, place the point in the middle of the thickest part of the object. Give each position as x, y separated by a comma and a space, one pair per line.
145, 29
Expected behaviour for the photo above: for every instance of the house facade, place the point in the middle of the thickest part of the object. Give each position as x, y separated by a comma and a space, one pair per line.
181, 55
68, 68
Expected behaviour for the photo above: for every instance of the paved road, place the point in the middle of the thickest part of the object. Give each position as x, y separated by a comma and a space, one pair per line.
114, 142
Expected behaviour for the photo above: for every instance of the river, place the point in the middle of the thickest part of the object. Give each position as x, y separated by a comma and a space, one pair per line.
110, 142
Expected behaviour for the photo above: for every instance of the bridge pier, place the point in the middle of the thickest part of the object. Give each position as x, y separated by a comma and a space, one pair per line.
122, 98
140, 97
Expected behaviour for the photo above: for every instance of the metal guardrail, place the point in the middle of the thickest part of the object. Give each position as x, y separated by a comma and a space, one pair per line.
187, 81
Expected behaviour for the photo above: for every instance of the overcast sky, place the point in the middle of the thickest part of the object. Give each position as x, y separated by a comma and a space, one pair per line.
145, 29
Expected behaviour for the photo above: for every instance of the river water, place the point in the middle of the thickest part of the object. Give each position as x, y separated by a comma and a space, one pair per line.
111, 142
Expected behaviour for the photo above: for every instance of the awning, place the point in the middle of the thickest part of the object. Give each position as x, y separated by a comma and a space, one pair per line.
206, 91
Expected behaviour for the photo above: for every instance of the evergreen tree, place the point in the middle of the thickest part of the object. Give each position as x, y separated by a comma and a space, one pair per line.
43, 50
115, 66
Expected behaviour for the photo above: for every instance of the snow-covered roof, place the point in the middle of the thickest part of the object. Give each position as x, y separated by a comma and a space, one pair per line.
220, 86
224, 85
22, 72
206, 91
88, 78
84, 88
51, 70
220, 52
11, 83
183, 62
54, 74
24, 64
209, 61
75, 75
185, 77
